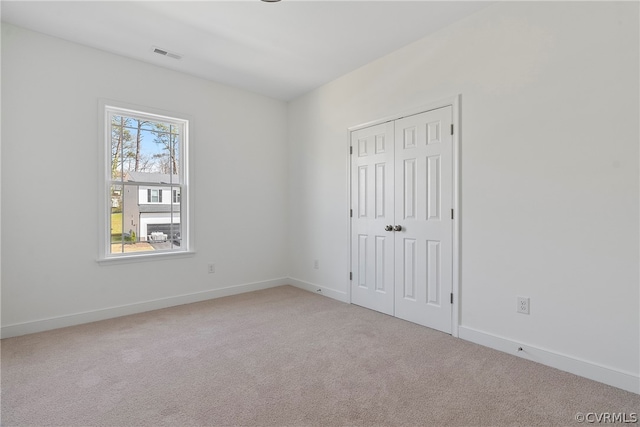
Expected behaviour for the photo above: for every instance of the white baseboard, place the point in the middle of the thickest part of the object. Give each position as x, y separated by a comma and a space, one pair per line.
124, 310
321, 290
593, 371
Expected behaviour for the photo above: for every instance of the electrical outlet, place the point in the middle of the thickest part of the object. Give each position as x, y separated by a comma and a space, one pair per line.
316, 264
211, 268
523, 305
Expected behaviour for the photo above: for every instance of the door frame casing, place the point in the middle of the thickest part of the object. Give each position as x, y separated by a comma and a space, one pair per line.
455, 103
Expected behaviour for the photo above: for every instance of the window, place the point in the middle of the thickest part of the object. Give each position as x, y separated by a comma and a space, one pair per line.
145, 170
154, 195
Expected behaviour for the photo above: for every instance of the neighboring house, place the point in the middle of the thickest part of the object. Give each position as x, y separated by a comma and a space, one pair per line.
151, 205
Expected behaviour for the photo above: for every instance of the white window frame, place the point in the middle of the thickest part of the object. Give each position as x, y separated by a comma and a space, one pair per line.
106, 109
158, 195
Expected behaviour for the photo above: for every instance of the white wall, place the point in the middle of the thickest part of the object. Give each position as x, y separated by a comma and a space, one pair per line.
50, 92
549, 183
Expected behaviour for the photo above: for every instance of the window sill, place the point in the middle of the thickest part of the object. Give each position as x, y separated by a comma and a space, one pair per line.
133, 258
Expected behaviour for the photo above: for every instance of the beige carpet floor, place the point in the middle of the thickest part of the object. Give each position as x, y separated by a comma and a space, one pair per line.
281, 357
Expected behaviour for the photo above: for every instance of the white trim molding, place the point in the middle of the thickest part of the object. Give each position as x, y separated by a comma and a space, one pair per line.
321, 290
106, 109
42, 325
593, 371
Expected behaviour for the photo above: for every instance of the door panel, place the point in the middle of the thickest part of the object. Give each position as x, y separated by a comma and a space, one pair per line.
372, 255
425, 241
402, 175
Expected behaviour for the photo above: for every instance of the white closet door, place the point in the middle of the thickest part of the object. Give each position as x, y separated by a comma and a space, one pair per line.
372, 247
401, 226
423, 203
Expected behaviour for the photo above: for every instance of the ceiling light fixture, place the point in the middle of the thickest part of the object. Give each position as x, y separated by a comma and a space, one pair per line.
270, 1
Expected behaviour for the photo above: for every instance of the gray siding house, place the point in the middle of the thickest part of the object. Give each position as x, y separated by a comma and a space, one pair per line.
152, 206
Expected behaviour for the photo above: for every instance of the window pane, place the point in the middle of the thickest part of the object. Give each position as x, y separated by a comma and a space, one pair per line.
139, 145
115, 219
145, 188
160, 224
125, 221
120, 144
140, 225
165, 152
175, 230
154, 124
175, 151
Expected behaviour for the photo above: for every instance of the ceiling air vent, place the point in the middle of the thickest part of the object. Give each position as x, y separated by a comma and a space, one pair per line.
166, 53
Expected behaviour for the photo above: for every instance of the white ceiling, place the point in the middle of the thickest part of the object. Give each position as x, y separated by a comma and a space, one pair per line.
281, 50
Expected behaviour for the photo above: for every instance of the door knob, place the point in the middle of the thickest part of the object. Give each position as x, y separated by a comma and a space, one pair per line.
388, 228
397, 228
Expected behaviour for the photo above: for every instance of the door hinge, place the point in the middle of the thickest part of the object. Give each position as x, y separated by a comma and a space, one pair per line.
350, 276
351, 149
451, 297
451, 213
452, 129
351, 213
